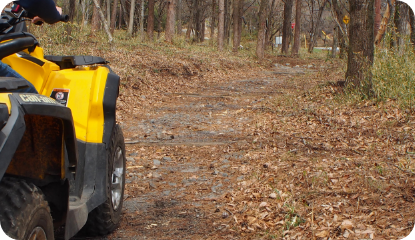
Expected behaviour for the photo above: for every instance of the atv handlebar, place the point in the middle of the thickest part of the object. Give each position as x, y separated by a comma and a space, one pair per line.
64, 18
15, 46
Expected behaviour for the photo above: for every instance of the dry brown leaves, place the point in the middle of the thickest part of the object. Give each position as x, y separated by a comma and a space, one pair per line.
321, 169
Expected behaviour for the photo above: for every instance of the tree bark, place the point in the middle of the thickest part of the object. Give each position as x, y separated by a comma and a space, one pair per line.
179, 17
412, 22
131, 23
114, 15
95, 18
235, 25
260, 47
212, 21
221, 24
334, 47
400, 20
142, 37
377, 15
101, 15
297, 42
384, 24
108, 11
361, 47
286, 27
169, 32
150, 20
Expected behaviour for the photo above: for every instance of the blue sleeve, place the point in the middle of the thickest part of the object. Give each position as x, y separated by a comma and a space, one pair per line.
45, 9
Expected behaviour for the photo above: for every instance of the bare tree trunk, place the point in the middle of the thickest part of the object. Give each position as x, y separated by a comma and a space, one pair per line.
169, 32
101, 15
341, 28
286, 27
334, 47
260, 47
235, 25
268, 32
297, 42
114, 15
228, 13
120, 13
221, 24
95, 18
131, 23
212, 21
124, 12
84, 13
316, 28
384, 24
142, 37
150, 20
191, 23
401, 14
412, 22
108, 11
377, 15
179, 17
361, 48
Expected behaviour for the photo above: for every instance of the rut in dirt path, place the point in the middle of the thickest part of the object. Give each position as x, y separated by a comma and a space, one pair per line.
184, 153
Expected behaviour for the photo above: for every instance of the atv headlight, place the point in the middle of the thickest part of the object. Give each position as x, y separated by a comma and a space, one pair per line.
4, 114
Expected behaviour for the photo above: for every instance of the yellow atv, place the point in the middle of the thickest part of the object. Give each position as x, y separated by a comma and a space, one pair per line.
62, 155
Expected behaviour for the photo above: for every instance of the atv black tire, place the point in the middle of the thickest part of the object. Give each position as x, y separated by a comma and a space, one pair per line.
107, 217
24, 212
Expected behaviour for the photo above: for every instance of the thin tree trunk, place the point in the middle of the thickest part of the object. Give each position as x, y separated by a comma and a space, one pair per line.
119, 17
212, 21
101, 15
228, 13
142, 36
108, 11
131, 23
235, 25
384, 24
341, 29
169, 32
412, 22
260, 47
377, 15
316, 28
191, 23
297, 42
95, 17
286, 28
179, 17
268, 32
150, 20
221, 24
114, 15
334, 47
361, 48
124, 12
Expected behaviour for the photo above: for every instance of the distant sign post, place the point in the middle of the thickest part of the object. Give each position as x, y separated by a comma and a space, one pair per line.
292, 25
346, 19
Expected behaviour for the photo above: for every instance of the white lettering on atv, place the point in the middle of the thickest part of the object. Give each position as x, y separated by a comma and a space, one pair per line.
29, 98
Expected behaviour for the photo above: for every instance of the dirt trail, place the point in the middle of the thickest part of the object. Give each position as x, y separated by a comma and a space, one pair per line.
184, 153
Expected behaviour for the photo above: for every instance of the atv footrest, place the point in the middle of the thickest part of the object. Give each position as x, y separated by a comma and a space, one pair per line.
66, 62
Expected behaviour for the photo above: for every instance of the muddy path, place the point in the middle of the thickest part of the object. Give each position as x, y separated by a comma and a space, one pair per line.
185, 151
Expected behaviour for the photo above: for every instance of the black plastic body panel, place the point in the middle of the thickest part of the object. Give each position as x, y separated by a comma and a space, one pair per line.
8, 84
65, 62
11, 134
109, 105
